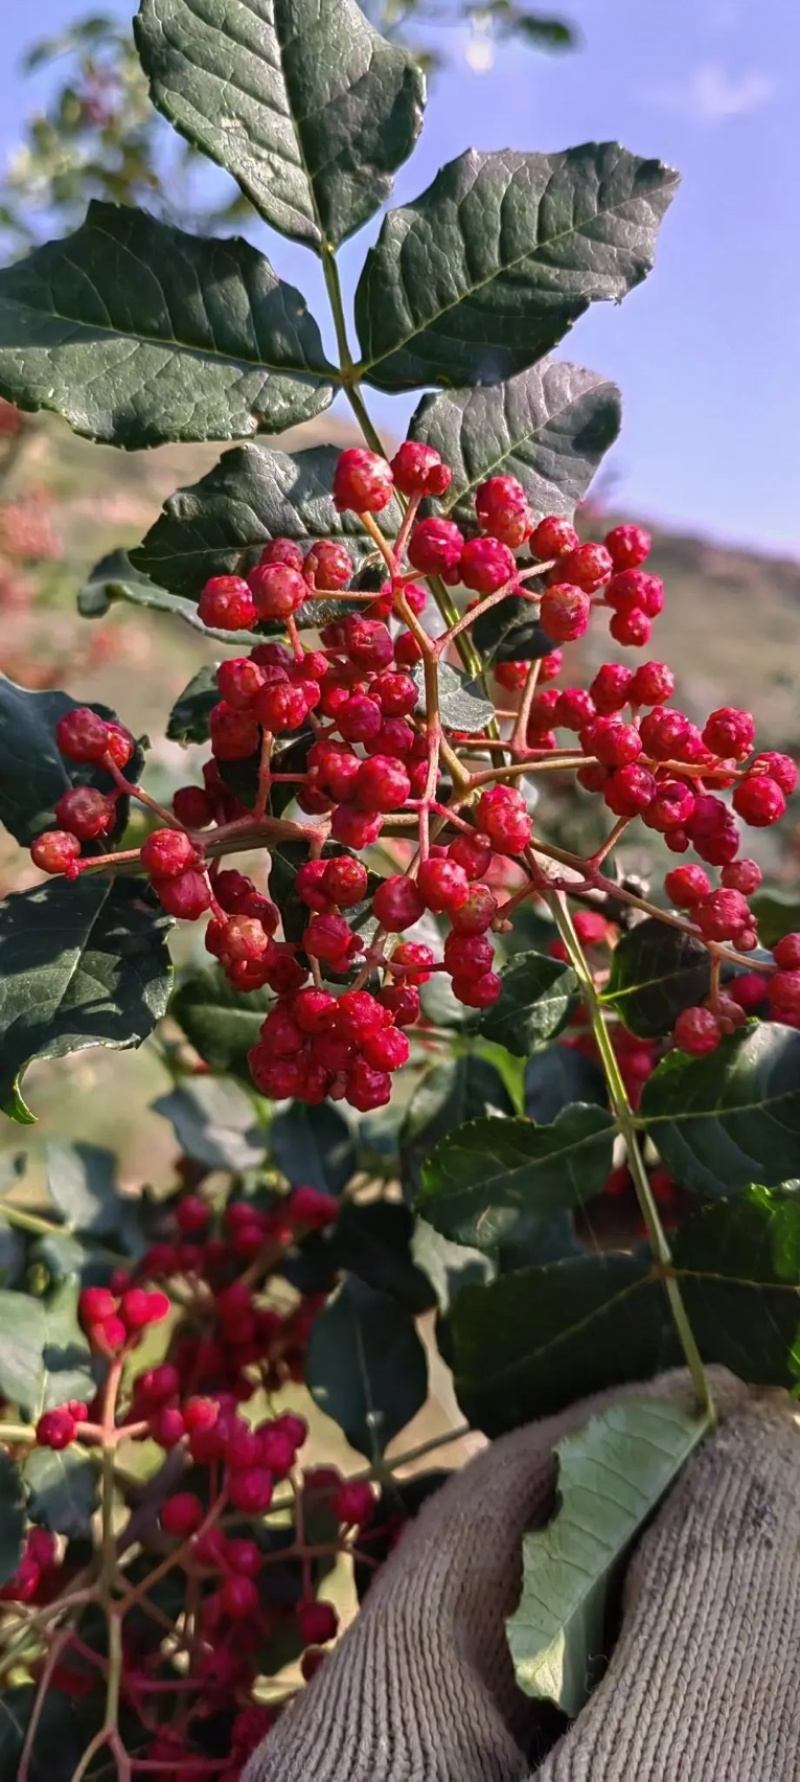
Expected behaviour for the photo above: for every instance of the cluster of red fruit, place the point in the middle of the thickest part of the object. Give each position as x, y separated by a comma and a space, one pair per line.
378, 750
227, 1343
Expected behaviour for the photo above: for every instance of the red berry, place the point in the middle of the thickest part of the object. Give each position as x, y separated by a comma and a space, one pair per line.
486, 564
187, 897
565, 612
360, 718
628, 546
783, 992
697, 1031
397, 903
664, 732
478, 993
553, 537
742, 875
281, 706
139, 1308
758, 799
354, 1503
780, 768
686, 885
282, 550
632, 629
277, 590
652, 683
398, 694
443, 884
473, 853
328, 566
368, 642
345, 881
367, 1089
313, 1209
729, 732
81, 735
512, 675
387, 1050
381, 784
613, 742
435, 547
749, 989
786, 952
181, 1514
407, 651
629, 790
721, 914
56, 851
317, 1622
239, 680
86, 813
193, 807
468, 955
402, 1000
634, 591
574, 709
56, 1429
672, 806
588, 566
355, 828
502, 816
234, 735
502, 510
418, 470
226, 604
362, 482
167, 853
591, 927
477, 913
358, 1015
551, 665
611, 687
326, 937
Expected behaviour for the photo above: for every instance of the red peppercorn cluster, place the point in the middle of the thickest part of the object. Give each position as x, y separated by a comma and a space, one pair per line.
377, 761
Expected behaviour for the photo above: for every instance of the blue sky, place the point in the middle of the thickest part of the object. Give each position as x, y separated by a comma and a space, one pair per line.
707, 350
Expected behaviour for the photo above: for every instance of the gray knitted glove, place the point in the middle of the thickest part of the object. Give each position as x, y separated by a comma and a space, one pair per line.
704, 1681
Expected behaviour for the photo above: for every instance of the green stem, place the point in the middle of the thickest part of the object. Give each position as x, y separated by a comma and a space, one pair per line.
14, 1434
30, 1222
626, 1122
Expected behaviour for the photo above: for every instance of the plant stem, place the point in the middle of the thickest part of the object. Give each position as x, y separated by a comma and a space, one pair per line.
626, 1122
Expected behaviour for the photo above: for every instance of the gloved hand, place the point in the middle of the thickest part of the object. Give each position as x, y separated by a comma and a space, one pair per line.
703, 1684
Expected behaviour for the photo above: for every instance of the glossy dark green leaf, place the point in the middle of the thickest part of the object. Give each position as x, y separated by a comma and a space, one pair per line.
60, 1739
44, 1356
457, 1089
138, 333
12, 1517
449, 1267
612, 1474
511, 632
220, 525
549, 427
731, 1118
188, 720
114, 578
557, 1076
739, 1267
656, 972
532, 1342
373, 1241
81, 964
533, 1006
221, 1023
314, 1146
33, 773
490, 267
305, 104
533, 1239
62, 1490
82, 1183
366, 1367
215, 1122
778, 911
463, 704
479, 1179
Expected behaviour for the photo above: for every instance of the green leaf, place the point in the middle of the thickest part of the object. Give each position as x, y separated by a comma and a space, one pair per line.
536, 1340
220, 525
463, 705
314, 1145
560, 1075
366, 1367
12, 1517
490, 267
60, 1739
114, 578
81, 964
12, 1253
732, 1118
739, 1267
534, 1004
655, 973
44, 1356
188, 720
612, 1474
448, 1266
33, 773
480, 1178
215, 1123
777, 910
82, 1183
137, 333
62, 1490
373, 1241
305, 104
221, 1023
457, 1089
549, 427
511, 632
